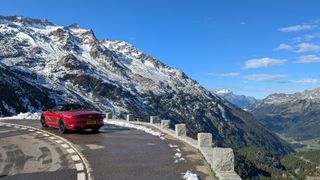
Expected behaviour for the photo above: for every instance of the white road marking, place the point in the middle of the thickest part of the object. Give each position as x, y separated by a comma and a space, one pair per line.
52, 137
31, 130
8, 125
75, 158
70, 151
81, 176
23, 128
65, 145
39, 132
16, 126
79, 167
94, 146
59, 141
47, 135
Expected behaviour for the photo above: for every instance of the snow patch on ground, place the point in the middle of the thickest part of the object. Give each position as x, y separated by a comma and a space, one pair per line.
27, 115
178, 155
141, 128
190, 176
172, 146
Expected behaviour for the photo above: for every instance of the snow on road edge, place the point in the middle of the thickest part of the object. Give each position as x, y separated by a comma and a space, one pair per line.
142, 128
27, 115
190, 176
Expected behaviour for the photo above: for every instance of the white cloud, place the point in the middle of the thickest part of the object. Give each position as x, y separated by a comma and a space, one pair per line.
297, 28
263, 62
307, 47
306, 37
264, 77
308, 59
310, 37
284, 46
229, 74
310, 81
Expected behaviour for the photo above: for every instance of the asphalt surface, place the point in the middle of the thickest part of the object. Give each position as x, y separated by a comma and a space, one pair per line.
118, 153
29, 155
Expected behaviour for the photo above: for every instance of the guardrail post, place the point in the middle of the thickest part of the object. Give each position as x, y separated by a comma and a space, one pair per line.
223, 159
180, 130
130, 117
108, 115
204, 140
165, 124
154, 119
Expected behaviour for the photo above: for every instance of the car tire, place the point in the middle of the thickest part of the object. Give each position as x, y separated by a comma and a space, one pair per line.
43, 121
62, 127
95, 130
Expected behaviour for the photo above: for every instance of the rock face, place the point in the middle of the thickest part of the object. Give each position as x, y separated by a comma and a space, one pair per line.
295, 115
242, 101
44, 64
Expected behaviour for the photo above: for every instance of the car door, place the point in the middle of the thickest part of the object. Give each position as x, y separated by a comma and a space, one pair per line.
49, 117
55, 118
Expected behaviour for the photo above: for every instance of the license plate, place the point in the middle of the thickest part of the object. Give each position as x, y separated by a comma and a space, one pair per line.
91, 122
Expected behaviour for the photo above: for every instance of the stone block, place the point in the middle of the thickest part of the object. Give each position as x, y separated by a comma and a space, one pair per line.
165, 124
130, 117
154, 119
108, 115
204, 140
223, 159
180, 130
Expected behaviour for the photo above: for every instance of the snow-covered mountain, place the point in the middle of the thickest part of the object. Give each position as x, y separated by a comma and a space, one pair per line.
43, 64
295, 115
242, 101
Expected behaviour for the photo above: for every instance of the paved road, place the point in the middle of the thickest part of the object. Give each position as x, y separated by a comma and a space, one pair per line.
118, 153
30, 155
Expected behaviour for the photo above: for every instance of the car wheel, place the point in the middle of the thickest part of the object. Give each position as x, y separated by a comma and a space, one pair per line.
43, 121
62, 127
95, 130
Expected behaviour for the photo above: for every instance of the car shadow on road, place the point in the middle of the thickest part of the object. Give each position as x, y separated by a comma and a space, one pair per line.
103, 130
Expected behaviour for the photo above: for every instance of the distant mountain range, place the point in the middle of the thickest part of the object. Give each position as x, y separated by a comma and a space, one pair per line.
242, 101
294, 115
43, 64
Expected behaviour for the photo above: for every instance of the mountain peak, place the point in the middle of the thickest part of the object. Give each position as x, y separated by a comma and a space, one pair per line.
25, 20
242, 101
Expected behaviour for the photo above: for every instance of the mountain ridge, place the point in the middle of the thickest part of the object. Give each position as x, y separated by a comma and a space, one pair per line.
294, 115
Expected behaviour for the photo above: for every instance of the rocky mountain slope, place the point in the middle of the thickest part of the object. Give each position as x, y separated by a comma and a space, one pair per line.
295, 115
43, 64
242, 101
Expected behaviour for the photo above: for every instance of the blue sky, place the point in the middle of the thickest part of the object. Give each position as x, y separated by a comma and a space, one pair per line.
251, 47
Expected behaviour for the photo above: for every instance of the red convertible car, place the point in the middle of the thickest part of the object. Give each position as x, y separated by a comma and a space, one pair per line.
72, 117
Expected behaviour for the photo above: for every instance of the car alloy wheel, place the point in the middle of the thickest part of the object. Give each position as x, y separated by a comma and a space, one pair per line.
62, 127
43, 121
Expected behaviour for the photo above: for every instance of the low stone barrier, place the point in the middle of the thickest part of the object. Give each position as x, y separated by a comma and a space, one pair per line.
154, 119
130, 117
220, 159
108, 115
181, 130
165, 124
